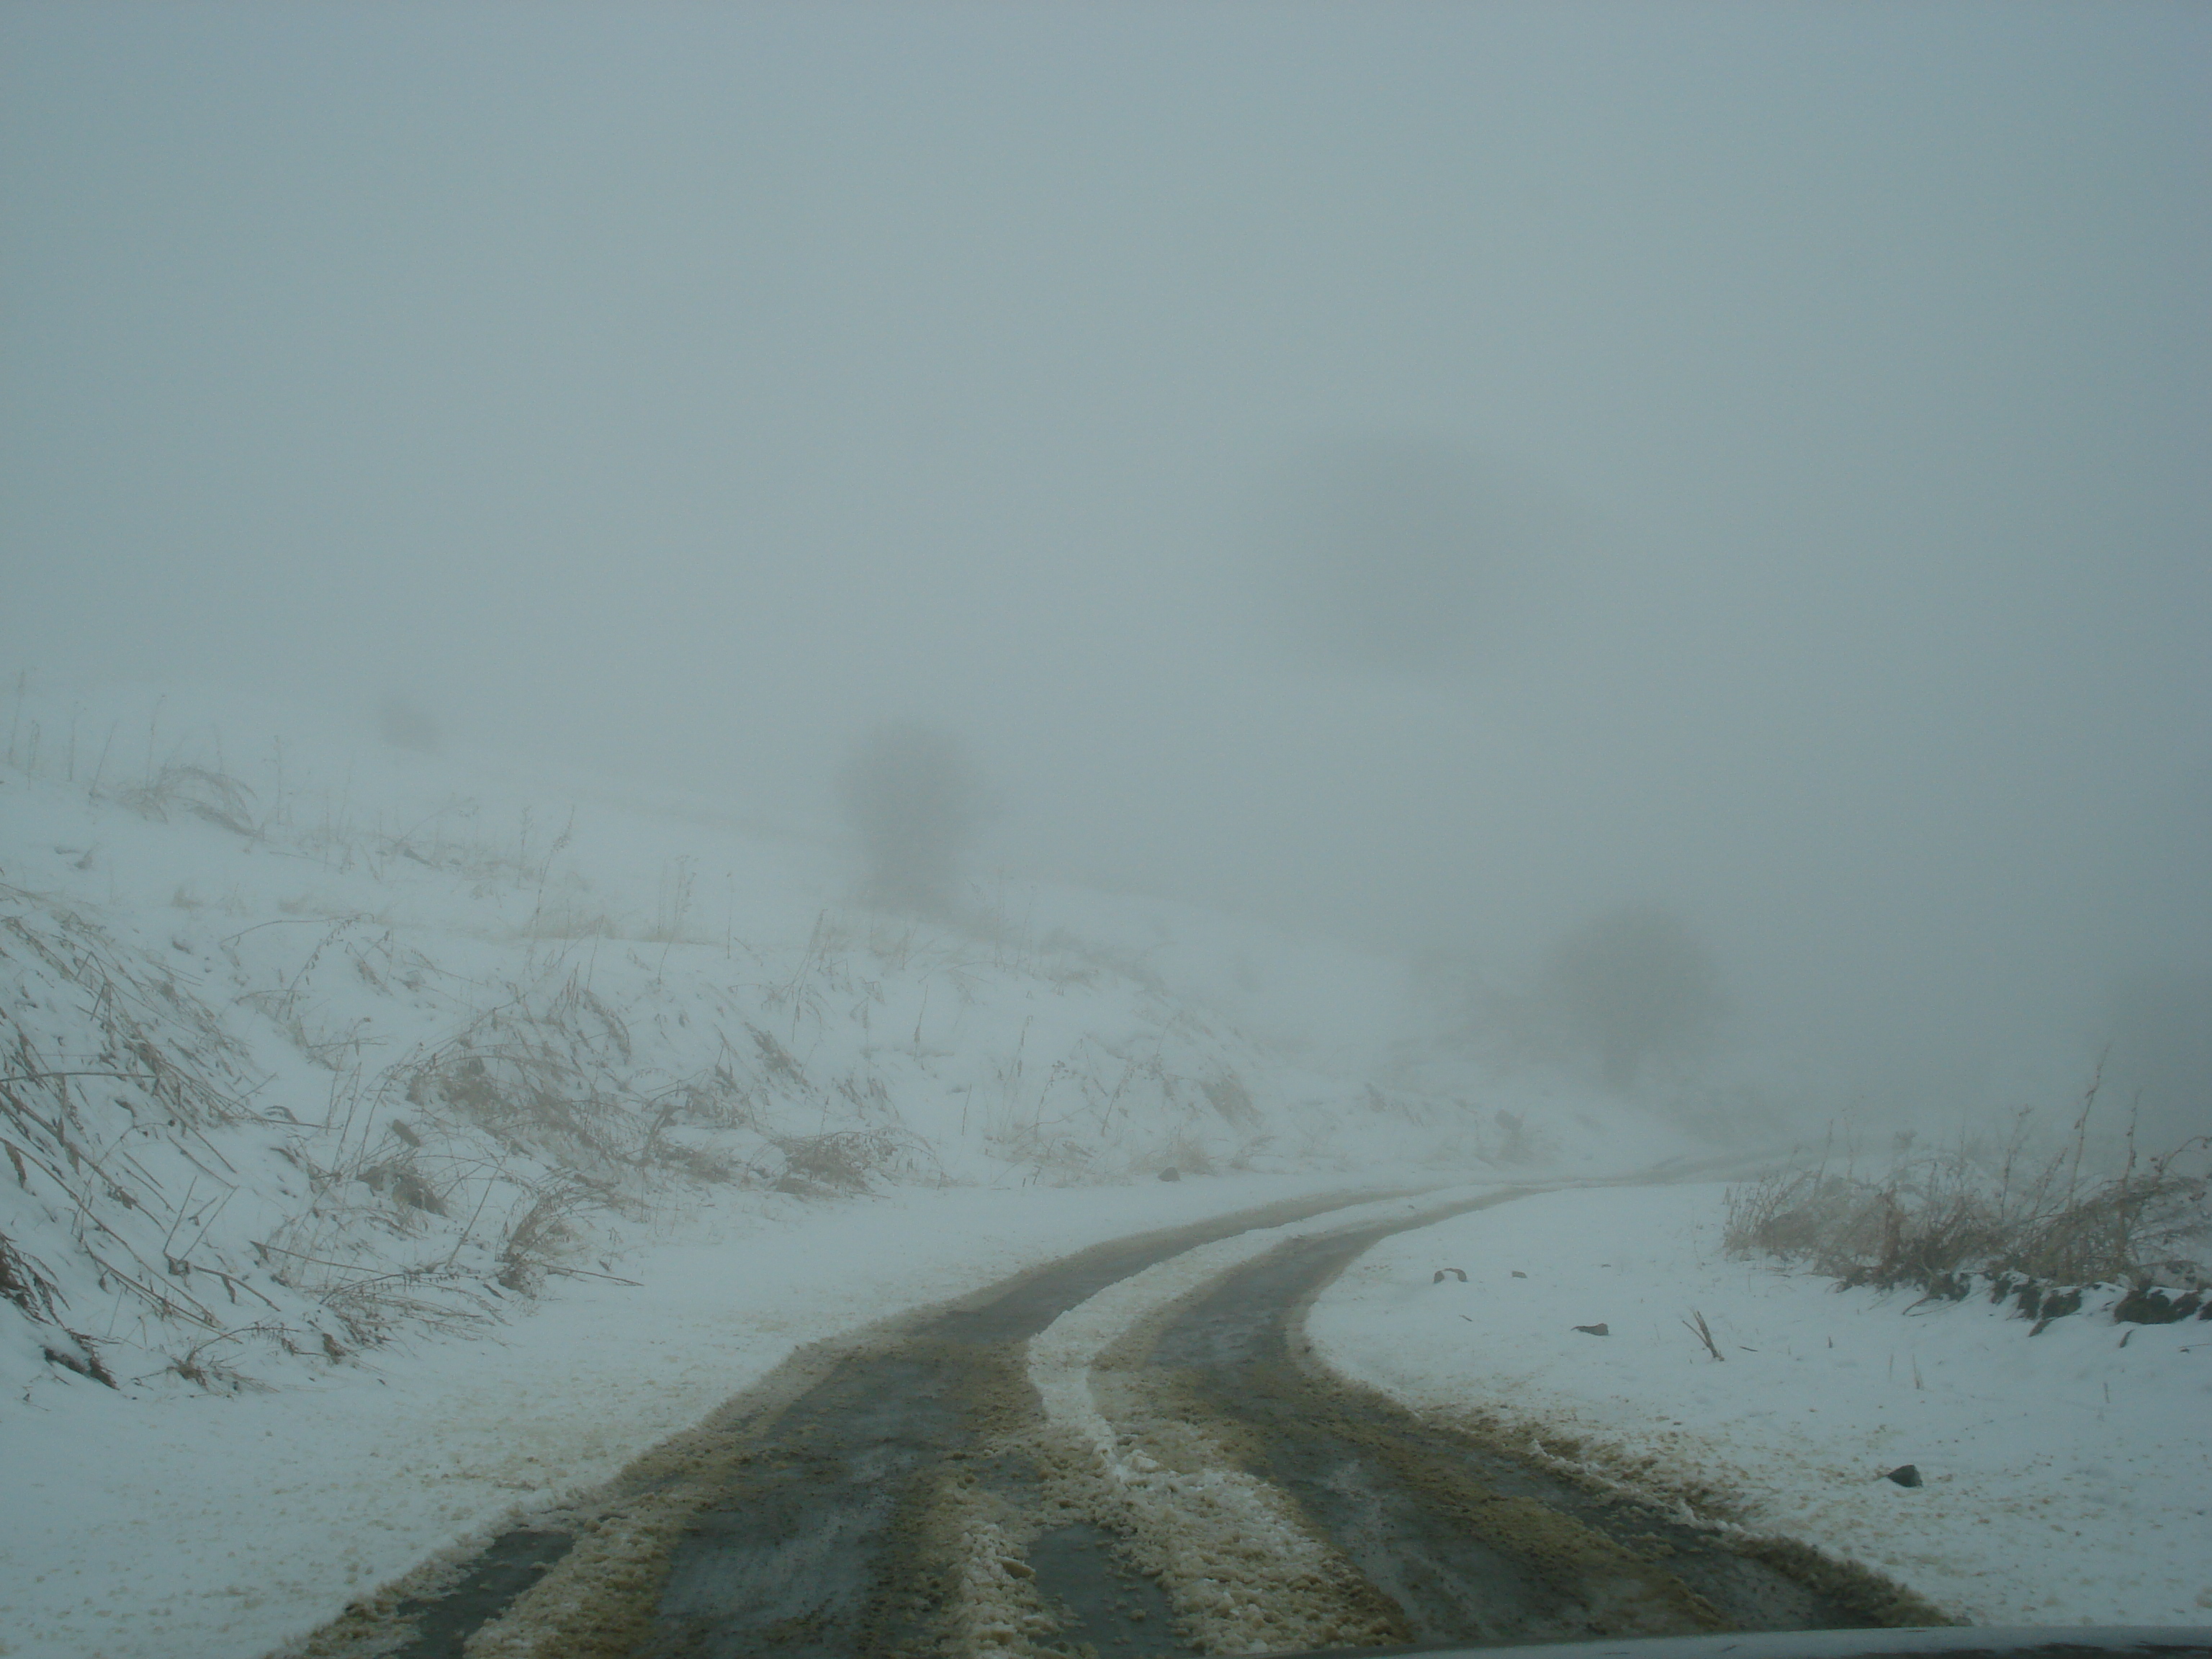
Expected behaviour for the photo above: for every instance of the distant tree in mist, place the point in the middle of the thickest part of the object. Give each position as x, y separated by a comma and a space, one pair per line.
1633, 986
915, 799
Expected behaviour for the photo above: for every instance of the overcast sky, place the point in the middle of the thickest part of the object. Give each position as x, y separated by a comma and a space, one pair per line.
1434, 471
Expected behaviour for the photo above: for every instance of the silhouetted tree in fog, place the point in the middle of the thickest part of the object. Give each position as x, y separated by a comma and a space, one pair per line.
1633, 985
915, 799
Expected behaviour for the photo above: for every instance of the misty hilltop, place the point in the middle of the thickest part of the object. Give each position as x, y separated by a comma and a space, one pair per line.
1450, 480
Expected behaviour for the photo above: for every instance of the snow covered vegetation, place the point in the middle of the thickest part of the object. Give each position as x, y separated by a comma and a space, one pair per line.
2043, 1233
395, 1144
306, 1051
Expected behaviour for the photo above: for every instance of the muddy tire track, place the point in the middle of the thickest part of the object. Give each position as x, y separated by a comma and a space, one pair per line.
904, 1492
830, 1508
1471, 1539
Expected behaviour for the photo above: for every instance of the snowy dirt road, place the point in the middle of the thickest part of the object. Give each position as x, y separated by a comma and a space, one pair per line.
1129, 1452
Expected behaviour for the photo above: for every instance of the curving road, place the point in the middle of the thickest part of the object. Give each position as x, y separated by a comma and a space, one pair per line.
1180, 1478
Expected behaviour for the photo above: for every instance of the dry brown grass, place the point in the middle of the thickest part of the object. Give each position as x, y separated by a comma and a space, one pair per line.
544, 1231
25, 1282
849, 1161
147, 1059
200, 792
1228, 1096
1943, 1224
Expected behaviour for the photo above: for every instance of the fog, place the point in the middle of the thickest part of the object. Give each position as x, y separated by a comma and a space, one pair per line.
1433, 475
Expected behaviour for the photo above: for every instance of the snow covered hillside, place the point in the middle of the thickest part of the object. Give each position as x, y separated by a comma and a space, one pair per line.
307, 1048
392, 1141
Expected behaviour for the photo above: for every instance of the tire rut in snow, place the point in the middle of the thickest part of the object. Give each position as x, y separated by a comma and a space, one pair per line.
1468, 1541
906, 1493
861, 1500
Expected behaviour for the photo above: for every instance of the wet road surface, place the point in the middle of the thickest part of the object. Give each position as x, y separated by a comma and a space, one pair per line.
903, 1494
1468, 1542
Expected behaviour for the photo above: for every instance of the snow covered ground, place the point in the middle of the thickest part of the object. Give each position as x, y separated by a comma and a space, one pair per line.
346, 1085
2067, 1476
180, 1523
413, 1140
309, 1045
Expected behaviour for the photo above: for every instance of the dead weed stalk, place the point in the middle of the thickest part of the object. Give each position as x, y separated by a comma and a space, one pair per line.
1946, 1223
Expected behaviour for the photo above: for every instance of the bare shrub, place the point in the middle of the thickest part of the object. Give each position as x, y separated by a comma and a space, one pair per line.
404, 1184
847, 1161
776, 1058
540, 1108
80, 1356
556, 1081
25, 1282
1187, 1154
715, 1100
371, 1305
199, 791
522, 1090
1695, 1324
1509, 1140
567, 915
1944, 1225
543, 1079
535, 1238
1229, 1096
204, 1367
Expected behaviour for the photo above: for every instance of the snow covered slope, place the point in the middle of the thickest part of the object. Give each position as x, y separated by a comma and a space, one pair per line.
306, 1047
392, 1139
